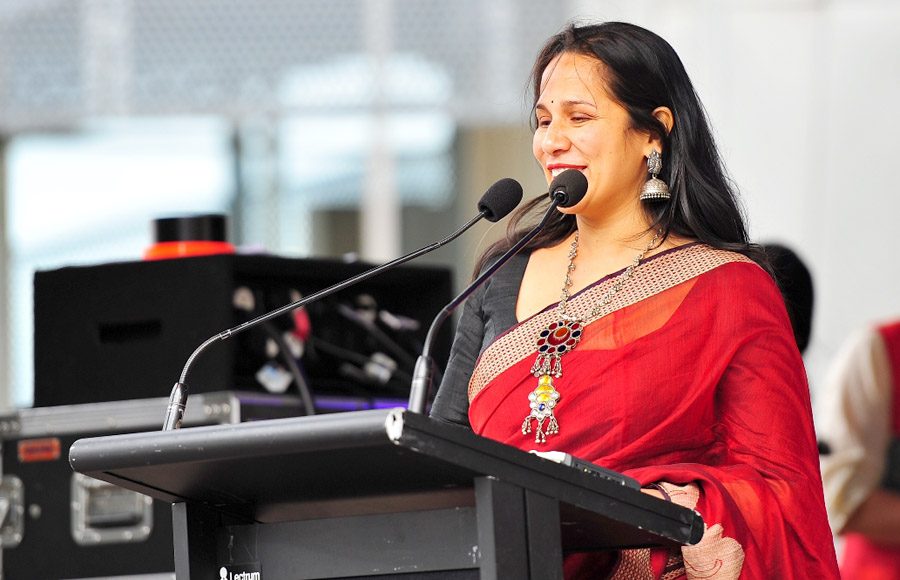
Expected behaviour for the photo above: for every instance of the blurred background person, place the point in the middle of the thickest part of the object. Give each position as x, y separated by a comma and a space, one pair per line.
796, 284
858, 417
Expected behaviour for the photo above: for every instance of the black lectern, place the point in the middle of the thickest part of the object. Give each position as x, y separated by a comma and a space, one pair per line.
383, 493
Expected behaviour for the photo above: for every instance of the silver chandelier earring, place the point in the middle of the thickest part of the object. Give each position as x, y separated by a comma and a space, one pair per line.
654, 189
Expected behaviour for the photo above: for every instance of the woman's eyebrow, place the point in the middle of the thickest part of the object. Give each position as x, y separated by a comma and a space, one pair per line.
568, 103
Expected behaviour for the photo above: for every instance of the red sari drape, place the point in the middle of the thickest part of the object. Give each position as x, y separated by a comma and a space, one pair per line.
690, 376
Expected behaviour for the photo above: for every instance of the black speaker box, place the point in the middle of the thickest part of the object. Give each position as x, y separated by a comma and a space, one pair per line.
125, 330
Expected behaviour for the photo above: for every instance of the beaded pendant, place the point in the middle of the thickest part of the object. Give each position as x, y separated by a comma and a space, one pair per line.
543, 399
554, 341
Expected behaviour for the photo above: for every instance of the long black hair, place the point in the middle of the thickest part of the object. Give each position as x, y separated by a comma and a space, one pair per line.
643, 72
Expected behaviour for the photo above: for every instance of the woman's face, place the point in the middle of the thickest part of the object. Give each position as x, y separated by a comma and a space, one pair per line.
579, 126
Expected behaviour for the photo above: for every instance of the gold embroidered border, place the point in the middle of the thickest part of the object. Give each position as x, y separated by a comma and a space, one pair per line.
714, 557
652, 277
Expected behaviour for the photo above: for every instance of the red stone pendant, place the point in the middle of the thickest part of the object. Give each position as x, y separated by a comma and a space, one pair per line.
553, 342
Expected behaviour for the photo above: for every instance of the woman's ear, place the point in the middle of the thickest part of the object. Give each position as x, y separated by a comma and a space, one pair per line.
664, 116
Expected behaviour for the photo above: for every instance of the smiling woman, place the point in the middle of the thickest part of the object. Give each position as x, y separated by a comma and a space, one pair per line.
581, 127
641, 330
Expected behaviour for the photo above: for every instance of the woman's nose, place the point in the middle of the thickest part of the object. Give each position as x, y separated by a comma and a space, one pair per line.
555, 139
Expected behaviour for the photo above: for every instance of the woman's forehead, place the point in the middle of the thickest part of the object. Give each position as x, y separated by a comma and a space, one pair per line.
575, 70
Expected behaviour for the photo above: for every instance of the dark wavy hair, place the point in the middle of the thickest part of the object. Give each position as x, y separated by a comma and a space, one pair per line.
643, 72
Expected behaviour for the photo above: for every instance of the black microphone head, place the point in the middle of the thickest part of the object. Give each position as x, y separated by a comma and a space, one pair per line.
500, 199
569, 187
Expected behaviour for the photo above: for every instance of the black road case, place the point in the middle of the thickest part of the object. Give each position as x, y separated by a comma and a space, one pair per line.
60, 525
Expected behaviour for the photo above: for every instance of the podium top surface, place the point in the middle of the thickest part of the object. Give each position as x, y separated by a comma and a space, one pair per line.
367, 462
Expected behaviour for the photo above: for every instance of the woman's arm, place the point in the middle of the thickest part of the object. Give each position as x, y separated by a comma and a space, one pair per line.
451, 403
487, 313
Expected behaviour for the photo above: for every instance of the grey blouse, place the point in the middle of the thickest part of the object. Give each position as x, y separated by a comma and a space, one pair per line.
486, 314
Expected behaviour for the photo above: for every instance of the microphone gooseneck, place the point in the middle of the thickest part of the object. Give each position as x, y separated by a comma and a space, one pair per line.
500, 199
565, 188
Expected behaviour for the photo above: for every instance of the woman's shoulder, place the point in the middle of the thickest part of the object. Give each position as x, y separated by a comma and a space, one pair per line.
725, 272
698, 253
503, 285
729, 274
697, 259
511, 271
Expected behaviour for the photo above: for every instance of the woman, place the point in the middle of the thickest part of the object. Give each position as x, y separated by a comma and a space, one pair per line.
680, 370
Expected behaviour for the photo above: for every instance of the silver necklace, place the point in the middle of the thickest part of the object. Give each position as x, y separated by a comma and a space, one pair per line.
560, 337
606, 298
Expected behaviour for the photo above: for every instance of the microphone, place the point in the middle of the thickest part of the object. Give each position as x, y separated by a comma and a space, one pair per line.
500, 199
566, 190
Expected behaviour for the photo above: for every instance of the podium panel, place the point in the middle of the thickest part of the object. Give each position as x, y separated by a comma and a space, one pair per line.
295, 496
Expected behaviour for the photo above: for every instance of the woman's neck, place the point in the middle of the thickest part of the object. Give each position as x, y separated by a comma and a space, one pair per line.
614, 235
607, 248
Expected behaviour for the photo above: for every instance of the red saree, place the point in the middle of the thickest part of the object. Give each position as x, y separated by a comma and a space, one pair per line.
691, 377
